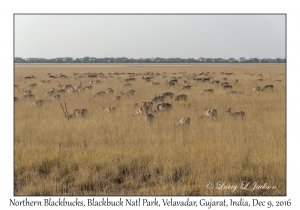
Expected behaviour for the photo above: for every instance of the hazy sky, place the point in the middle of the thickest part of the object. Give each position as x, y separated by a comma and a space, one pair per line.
145, 36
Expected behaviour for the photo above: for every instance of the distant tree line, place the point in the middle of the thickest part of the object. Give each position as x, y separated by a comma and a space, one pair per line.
148, 60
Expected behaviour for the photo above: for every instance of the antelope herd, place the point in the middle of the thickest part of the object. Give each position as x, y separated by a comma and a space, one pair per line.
142, 108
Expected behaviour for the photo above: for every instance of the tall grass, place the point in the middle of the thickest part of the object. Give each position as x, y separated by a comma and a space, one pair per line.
119, 154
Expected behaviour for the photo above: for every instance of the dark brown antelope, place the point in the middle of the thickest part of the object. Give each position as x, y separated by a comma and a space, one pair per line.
236, 114
211, 113
184, 121
76, 113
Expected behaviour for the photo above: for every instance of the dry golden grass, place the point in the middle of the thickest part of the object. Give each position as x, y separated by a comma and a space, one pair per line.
118, 154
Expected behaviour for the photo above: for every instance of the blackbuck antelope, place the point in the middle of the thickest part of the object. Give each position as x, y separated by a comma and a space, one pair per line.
181, 97
208, 91
259, 80
206, 80
62, 91
73, 91
128, 93
227, 87
171, 84
89, 87
76, 113
144, 104
29, 96
56, 97
100, 94
30, 77
110, 91
158, 99
216, 82
236, 114
168, 95
49, 93
154, 83
67, 87
257, 88
187, 87
27, 92
95, 82
149, 118
45, 81
127, 85
163, 107
78, 87
211, 113
16, 99
142, 110
32, 85
268, 87
60, 85
184, 121
117, 98
109, 109
224, 83
37, 103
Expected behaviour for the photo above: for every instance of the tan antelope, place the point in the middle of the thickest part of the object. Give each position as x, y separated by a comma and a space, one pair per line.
208, 91
100, 94
127, 85
60, 85
236, 114
211, 113
154, 83
128, 93
37, 103
95, 82
259, 80
89, 87
76, 113
78, 87
109, 109
144, 104
181, 97
27, 92
33, 85
149, 118
184, 121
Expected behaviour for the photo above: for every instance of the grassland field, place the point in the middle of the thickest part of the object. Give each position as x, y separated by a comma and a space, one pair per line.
119, 154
